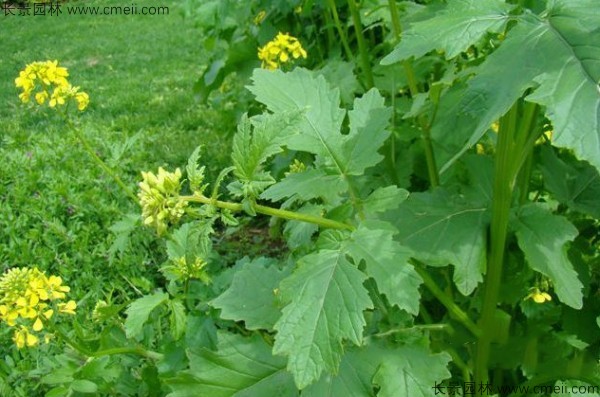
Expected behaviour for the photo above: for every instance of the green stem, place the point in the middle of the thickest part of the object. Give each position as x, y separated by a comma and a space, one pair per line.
420, 327
279, 213
453, 309
138, 351
362, 46
340, 29
88, 148
107, 352
501, 204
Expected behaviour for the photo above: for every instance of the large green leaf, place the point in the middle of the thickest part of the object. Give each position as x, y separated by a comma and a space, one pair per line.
559, 57
251, 295
454, 29
387, 263
139, 311
301, 90
241, 367
411, 371
353, 378
543, 237
443, 229
326, 302
574, 183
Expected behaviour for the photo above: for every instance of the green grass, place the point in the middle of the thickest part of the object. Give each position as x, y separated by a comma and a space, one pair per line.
56, 205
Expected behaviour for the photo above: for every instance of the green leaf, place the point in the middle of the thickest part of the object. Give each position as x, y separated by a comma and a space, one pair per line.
307, 185
368, 122
442, 228
411, 371
195, 174
353, 378
139, 311
560, 54
573, 183
460, 25
256, 140
387, 263
177, 318
241, 367
320, 128
84, 386
326, 302
190, 240
300, 233
251, 296
384, 198
543, 237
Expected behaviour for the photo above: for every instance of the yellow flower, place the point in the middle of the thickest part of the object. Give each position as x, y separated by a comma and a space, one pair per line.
539, 296
280, 50
22, 337
26, 297
159, 198
48, 77
68, 308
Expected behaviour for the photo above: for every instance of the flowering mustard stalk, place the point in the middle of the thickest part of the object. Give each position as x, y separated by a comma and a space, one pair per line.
282, 49
47, 82
29, 298
159, 198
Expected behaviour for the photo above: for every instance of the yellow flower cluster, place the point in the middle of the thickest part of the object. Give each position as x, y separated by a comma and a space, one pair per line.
187, 271
159, 198
47, 81
539, 296
280, 50
28, 298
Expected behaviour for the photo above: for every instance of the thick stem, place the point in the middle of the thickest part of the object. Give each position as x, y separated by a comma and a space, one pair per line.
501, 203
279, 213
362, 45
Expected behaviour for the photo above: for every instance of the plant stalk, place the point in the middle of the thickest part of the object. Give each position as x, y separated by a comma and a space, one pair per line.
362, 45
501, 203
453, 309
279, 213
340, 29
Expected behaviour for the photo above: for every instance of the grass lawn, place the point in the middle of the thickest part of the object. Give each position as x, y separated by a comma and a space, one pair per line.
56, 205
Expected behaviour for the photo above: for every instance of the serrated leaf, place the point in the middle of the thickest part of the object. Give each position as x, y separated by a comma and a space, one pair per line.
299, 233
368, 121
177, 318
139, 311
190, 240
251, 296
444, 229
326, 303
460, 25
195, 174
320, 128
574, 183
307, 185
256, 140
241, 367
543, 237
411, 371
353, 378
387, 263
561, 55
384, 198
